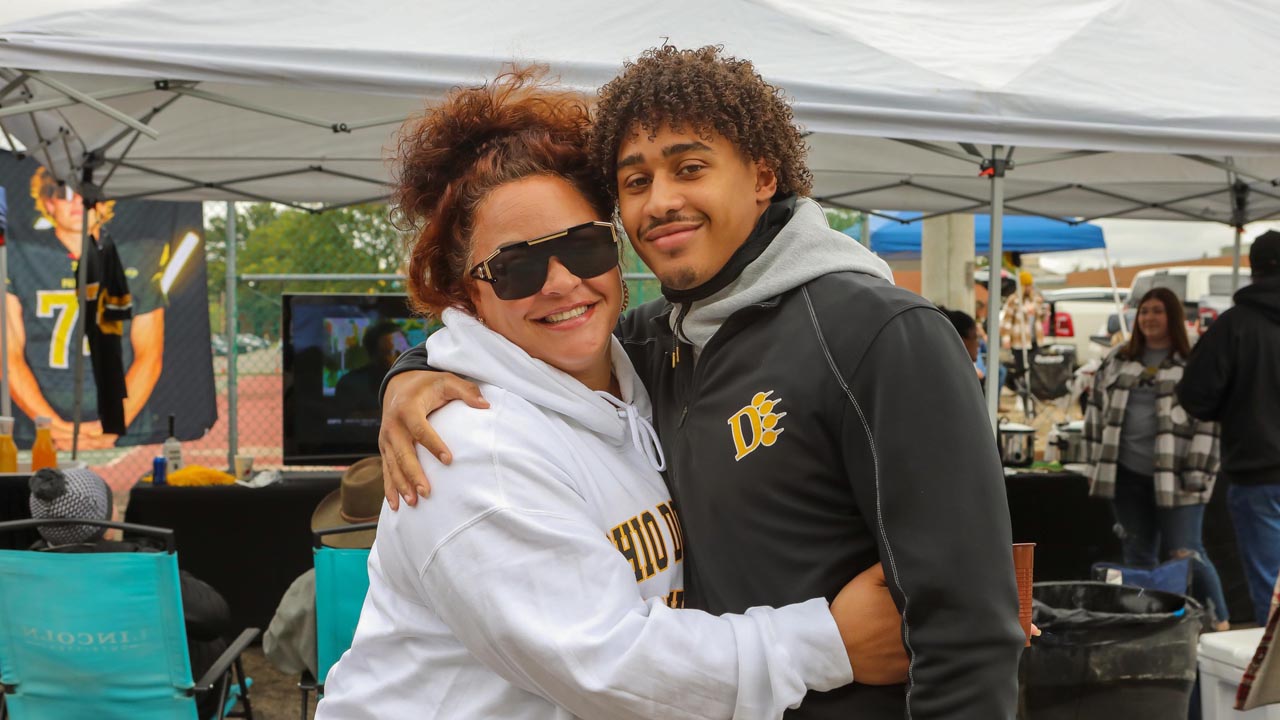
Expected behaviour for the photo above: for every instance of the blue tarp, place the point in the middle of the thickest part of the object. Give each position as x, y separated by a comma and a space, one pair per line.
1022, 233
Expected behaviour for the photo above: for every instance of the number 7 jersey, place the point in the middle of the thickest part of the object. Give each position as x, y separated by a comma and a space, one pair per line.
42, 275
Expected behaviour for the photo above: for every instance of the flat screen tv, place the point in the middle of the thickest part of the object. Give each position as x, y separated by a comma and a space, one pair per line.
337, 349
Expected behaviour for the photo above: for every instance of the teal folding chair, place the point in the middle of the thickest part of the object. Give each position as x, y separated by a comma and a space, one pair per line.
101, 635
342, 581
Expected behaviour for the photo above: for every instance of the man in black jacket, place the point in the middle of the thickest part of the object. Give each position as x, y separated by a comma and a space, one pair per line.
1233, 377
816, 419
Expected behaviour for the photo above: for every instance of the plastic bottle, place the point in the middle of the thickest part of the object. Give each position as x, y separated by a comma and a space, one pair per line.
8, 451
172, 450
43, 453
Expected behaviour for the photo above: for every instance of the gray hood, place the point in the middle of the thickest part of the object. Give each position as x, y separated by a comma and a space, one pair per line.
805, 249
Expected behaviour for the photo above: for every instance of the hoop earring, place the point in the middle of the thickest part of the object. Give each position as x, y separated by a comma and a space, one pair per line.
626, 297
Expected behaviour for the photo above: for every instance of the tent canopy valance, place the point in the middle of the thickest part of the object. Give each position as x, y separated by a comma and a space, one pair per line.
1117, 108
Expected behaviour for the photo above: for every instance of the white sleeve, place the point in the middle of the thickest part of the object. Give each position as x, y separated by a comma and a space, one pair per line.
537, 592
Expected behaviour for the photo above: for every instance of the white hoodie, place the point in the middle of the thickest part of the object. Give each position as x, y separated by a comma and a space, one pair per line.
534, 582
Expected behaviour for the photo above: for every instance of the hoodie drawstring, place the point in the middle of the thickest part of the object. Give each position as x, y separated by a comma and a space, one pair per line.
643, 437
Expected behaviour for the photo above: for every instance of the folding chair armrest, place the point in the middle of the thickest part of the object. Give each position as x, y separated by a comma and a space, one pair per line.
224, 661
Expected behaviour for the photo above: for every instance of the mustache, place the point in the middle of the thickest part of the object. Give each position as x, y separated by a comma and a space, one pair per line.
655, 224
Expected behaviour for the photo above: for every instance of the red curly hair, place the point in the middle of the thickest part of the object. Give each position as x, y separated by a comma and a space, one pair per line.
452, 157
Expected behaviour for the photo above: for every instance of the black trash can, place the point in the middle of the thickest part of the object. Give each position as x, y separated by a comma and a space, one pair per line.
1109, 651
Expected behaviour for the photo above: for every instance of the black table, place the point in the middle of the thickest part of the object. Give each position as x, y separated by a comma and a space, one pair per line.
14, 492
1072, 531
249, 544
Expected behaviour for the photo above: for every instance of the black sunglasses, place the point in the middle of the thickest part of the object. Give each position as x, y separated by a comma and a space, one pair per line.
520, 270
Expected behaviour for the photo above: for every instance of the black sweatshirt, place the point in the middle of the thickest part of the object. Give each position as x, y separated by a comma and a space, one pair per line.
1233, 377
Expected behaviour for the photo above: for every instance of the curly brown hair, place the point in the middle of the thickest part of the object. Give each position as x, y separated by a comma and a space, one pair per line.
450, 159
702, 91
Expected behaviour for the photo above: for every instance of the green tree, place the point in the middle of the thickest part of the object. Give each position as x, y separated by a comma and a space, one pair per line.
275, 240
842, 219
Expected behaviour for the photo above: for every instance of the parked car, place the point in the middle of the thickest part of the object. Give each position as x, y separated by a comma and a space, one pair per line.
1075, 311
247, 342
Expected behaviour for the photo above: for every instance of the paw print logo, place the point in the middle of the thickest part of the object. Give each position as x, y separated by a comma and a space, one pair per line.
756, 424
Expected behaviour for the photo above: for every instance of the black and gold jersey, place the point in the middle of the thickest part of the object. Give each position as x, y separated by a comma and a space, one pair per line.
109, 304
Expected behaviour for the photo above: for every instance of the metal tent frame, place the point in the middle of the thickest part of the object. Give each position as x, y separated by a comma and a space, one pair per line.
999, 161
23, 99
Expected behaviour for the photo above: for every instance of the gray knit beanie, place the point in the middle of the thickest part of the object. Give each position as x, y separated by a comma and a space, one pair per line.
77, 493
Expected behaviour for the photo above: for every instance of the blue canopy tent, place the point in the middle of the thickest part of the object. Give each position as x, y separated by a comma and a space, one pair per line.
899, 238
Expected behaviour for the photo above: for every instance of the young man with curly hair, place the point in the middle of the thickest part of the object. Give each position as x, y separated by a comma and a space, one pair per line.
816, 419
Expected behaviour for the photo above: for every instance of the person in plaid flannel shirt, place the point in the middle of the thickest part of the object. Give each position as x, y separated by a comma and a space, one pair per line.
1155, 462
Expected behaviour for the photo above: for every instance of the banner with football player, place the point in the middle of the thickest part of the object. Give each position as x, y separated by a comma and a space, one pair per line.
164, 346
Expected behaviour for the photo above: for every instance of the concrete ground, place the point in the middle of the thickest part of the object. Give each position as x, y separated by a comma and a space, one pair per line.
274, 695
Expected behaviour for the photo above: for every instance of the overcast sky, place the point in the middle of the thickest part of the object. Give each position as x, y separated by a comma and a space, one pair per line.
1136, 242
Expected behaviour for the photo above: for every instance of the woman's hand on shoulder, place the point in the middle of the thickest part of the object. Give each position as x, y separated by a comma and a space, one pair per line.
410, 398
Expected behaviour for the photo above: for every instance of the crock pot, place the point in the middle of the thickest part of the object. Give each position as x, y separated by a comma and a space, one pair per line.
1071, 442
1017, 444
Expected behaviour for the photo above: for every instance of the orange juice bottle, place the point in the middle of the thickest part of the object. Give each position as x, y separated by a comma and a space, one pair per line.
43, 453
8, 451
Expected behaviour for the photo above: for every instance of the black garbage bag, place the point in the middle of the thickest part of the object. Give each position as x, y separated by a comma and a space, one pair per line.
1110, 651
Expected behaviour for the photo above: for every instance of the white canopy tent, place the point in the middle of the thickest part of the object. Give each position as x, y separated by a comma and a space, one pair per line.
1158, 109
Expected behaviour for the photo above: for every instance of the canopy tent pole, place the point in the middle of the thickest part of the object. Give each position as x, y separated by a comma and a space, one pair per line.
1235, 260
233, 418
1240, 205
1115, 291
995, 170
6, 408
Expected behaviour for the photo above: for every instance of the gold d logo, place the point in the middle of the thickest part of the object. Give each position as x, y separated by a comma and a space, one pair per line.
760, 420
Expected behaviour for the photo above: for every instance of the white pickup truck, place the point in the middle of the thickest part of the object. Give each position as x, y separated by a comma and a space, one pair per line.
1076, 312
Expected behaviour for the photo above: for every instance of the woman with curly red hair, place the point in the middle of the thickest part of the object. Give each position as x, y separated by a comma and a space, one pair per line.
544, 577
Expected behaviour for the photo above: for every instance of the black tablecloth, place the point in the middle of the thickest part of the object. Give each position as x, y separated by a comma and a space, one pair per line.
250, 544
1072, 531
1054, 511
13, 506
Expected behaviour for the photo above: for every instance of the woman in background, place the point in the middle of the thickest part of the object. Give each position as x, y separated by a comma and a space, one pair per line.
1155, 462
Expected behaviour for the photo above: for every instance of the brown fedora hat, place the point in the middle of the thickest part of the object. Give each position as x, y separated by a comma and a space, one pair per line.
358, 499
